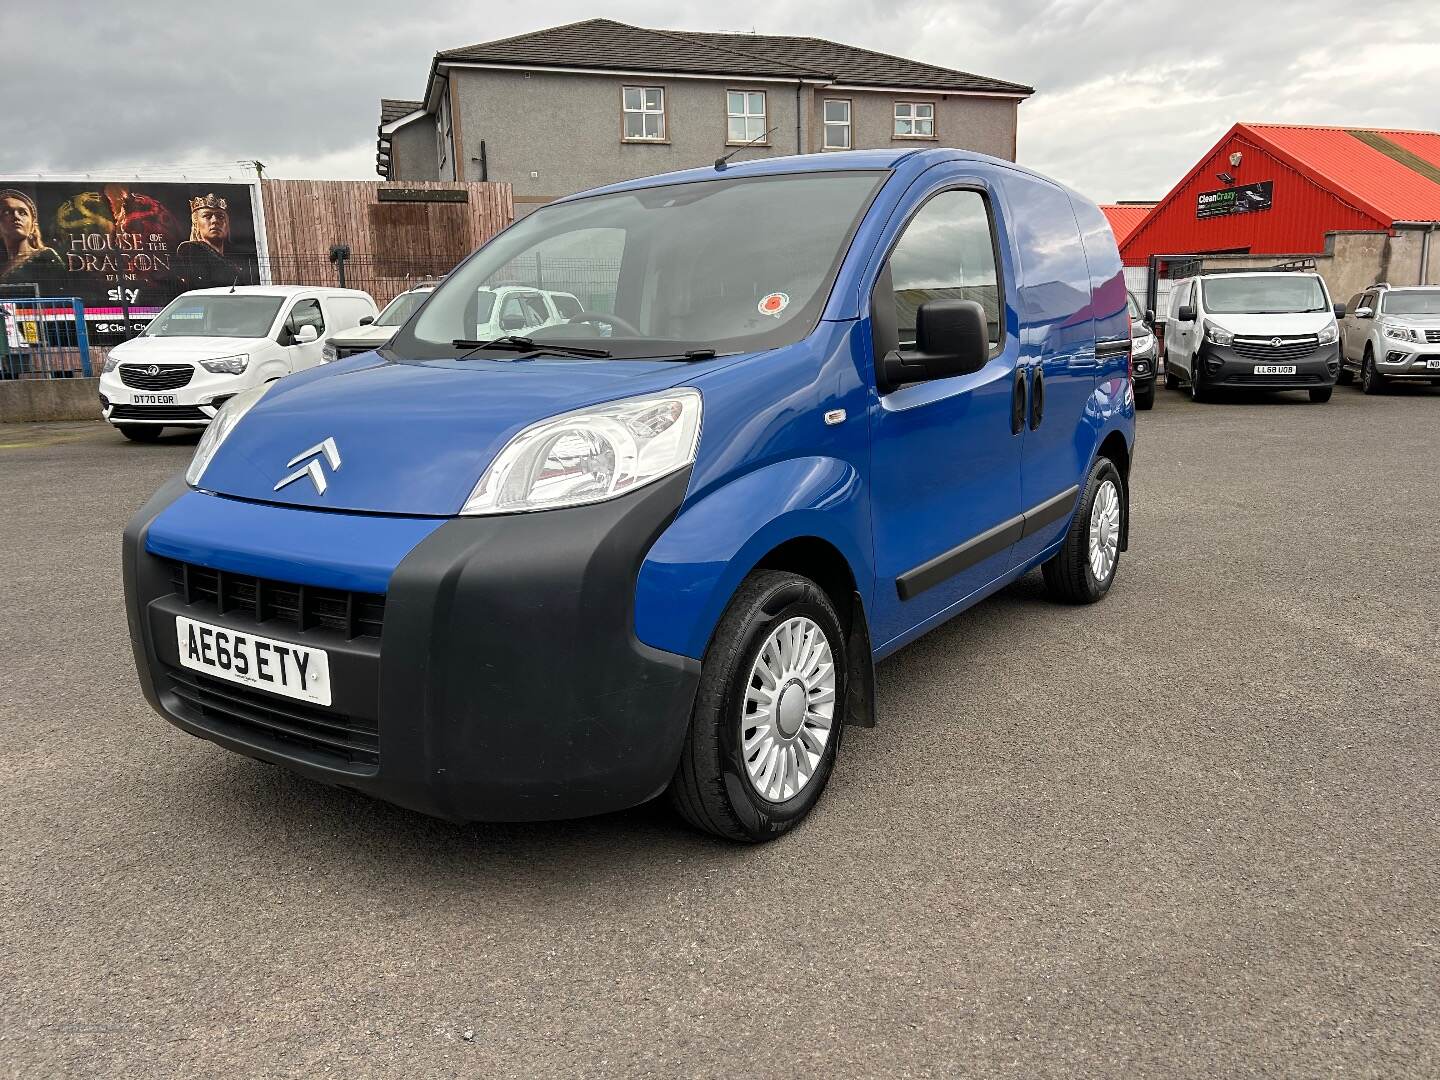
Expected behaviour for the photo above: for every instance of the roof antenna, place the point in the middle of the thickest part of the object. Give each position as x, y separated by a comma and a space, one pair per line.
720, 161
234, 281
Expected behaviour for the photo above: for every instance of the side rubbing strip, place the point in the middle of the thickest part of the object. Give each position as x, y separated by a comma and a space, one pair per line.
929, 574
1049, 512
1112, 348
991, 542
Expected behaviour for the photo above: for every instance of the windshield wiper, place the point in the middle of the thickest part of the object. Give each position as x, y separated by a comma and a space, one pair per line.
516, 343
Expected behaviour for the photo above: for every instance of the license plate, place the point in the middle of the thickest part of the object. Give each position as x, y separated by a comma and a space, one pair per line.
1274, 369
1432, 363
280, 667
152, 399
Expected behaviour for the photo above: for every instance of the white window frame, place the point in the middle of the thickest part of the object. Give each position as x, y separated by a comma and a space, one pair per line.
914, 119
745, 116
847, 125
642, 112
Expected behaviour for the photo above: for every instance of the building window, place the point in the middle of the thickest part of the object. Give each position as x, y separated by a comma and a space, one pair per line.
644, 113
914, 120
837, 124
745, 116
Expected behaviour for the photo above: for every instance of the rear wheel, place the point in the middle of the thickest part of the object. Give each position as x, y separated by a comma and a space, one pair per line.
1145, 396
1371, 381
1085, 567
1172, 381
767, 720
1346, 376
1320, 394
140, 432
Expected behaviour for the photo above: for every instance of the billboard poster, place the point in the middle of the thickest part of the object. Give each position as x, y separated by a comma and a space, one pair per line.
1245, 199
126, 248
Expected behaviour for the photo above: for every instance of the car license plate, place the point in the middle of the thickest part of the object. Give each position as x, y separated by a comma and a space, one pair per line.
280, 667
1432, 363
152, 399
1274, 369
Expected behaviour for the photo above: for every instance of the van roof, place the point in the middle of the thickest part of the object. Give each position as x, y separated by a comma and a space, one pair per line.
281, 290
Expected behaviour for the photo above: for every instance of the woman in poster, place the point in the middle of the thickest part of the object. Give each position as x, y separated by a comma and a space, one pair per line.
26, 257
201, 261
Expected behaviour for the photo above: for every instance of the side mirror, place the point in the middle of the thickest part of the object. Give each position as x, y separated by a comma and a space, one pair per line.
367, 320
1186, 313
1150, 317
1364, 313
306, 334
1339, 311
951, 338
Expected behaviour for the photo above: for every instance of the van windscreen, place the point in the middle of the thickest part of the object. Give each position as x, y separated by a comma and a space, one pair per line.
1273, 295
730, 264
215, 315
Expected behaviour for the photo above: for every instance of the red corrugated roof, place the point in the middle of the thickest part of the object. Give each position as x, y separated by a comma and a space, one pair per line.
1124, 218
1342, 160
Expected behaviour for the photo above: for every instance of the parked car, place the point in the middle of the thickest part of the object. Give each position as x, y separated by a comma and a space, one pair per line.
657, 546
1391, 332
372, 332
1274, 330
208, 345
1144, 352
516, 309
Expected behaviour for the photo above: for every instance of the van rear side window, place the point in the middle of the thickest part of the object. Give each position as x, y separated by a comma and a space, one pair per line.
947, 252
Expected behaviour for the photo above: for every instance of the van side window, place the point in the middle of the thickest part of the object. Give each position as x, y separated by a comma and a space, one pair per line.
946, 252
305, 313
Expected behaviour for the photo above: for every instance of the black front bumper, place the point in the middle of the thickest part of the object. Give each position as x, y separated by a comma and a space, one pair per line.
506, 683
1222, 367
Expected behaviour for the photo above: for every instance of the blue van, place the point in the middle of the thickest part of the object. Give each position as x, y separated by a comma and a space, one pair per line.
802, 411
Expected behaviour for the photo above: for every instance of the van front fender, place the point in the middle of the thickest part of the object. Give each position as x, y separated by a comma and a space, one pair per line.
698, 562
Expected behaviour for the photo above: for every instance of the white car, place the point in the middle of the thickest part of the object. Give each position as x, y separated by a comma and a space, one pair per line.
208, 345
372, 333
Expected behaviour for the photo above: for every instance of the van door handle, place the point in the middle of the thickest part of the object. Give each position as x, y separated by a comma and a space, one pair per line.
1037, 398
1017, 402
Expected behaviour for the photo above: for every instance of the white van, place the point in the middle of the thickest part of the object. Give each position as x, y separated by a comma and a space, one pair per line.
1273, 330
208, 345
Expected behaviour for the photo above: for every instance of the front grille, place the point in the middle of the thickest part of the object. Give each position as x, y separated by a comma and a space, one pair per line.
165, 377
174, 414
1265, 351
1433, 337
264, 719
306, 607
1273, 380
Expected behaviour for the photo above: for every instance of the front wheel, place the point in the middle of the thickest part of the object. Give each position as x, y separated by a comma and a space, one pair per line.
140, 432
1321, 394
1145, 396
1085, 567
1371, 381
768, 713
1198, 392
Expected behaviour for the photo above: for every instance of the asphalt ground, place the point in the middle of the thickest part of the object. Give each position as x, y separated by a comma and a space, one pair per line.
1190, 831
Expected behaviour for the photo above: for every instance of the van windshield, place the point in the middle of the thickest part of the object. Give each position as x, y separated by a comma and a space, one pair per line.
732, 265
1419, 302
215, 315
1280, 294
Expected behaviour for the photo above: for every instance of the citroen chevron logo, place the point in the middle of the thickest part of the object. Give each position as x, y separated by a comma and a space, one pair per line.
314, 470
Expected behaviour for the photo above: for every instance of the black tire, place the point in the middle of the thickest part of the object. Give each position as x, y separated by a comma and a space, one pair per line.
1321, 394
1145, 396
711, 788
1172, 381
1198, 390
1371, 381
140, 432
1068, 575
1346, 376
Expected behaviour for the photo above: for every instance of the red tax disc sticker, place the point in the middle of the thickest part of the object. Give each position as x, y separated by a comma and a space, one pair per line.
773, 303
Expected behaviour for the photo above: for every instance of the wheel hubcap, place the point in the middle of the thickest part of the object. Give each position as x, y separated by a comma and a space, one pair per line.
789, 709
1104, 530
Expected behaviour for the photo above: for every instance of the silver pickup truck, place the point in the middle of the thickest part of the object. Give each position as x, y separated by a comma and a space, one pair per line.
1391, 333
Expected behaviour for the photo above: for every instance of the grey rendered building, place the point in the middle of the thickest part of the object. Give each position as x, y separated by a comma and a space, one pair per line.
594, 102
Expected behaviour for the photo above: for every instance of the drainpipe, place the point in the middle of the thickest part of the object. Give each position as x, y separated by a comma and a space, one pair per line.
799, 85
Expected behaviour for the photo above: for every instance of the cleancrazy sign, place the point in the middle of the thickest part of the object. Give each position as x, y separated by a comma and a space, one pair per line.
125, 248
1244, 199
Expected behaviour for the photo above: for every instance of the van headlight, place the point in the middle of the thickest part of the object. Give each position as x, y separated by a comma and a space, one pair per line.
328, 355
591, 455
1143, 343
219, 430
1329, 334
1217, 335
111, 363
227, 365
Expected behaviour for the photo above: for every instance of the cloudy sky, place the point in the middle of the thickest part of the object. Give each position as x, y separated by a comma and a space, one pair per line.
1129, 92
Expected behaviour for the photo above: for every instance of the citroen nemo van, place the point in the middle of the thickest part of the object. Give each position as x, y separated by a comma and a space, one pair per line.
812, 408
208, 345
